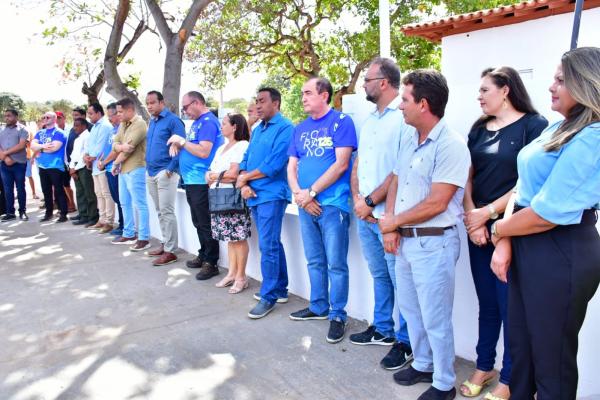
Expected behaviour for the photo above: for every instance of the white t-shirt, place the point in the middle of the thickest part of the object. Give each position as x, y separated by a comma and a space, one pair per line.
222, 161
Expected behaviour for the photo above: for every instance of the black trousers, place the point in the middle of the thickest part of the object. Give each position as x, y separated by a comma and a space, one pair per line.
53, 178
197, 198
86, 198
2, 199
553, 277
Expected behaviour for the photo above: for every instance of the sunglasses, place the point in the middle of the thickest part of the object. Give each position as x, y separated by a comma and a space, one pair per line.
184, 108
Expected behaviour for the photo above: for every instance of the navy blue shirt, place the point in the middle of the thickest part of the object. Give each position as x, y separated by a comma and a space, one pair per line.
267, 153
314, 144
161, 128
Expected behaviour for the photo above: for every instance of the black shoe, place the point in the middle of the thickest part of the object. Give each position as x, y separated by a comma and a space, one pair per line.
371, 336
62, 218
305, 315
337, 328
437, 394
207, 271
75, 218
23, 216
83, 221
195, 263
397, 357
46, 218
8, 217
410, 376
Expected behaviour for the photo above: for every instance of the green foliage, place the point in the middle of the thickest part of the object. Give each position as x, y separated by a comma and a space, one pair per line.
35, 110
237, 105
11, 100
133, 81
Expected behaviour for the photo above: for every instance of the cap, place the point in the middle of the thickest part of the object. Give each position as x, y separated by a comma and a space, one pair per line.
59, 114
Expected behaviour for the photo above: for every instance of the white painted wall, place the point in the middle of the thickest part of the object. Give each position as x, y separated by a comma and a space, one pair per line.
535, 45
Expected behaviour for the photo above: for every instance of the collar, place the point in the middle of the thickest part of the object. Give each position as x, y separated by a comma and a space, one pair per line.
135, 118
276, 118
435, 132
162, 114
392, 106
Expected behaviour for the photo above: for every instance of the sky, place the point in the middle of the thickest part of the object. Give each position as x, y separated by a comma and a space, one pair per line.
29, 66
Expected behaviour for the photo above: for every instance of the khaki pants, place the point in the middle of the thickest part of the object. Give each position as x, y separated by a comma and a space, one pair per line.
106, 205
162, 190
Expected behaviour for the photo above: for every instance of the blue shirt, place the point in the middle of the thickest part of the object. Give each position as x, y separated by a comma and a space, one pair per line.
443, 157
267, 153
378, 146
205, 129
108, 148
560, 185
313, 144
161, 128
56, 159
97, 142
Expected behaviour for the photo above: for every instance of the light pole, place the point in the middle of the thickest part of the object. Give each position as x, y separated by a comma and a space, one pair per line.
576, 21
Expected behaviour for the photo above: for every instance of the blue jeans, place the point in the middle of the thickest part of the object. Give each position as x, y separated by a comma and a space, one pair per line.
132, 195
382, 266
493, 306
425, 269
268, 218
14, 176
325, 239
113, 186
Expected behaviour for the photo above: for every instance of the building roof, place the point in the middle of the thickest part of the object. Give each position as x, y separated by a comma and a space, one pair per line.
503, 15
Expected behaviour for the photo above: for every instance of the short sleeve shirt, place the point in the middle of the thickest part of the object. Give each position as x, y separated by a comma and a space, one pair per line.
313, 144
205, 129
222, 161
54, 160
442, 158
10, 137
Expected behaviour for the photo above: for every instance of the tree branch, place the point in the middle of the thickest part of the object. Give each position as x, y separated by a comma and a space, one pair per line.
161, 22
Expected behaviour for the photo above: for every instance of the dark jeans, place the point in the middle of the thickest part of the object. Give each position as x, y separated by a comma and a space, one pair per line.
53, 178
86, 198
14, 176
493, 304
268, 218
113, 186
553, 277
197, 198
2, 199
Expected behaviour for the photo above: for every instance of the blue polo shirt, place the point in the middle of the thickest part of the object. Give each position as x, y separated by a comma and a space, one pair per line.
560, 185
108, 148
314, 144
97, 142
55, 160
161, 128
205, 129
267, 152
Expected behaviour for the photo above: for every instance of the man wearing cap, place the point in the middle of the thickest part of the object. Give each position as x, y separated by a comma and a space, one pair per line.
13, 163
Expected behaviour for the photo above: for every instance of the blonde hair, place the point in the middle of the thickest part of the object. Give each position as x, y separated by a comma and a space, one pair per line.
581, 71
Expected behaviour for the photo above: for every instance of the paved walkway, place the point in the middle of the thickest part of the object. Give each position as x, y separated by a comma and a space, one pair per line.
85, 319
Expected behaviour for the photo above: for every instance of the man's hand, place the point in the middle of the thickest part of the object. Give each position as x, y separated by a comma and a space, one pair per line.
169, 174
361, 209
391, 242
127, 148
176, 140
501, 259
302, 197
313, 208
173, 150
387, 223
476, 218
241, 181
2, 154
247, 192
480, 236
116, 169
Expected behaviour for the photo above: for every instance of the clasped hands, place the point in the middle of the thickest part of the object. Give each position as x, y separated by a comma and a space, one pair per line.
307, 203
175, 144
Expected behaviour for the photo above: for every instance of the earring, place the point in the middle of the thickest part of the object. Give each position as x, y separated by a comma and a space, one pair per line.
504, 104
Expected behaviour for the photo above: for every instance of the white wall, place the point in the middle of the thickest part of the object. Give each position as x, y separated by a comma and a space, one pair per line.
537, 46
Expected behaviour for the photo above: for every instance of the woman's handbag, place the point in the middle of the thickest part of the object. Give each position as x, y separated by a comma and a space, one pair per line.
225, 199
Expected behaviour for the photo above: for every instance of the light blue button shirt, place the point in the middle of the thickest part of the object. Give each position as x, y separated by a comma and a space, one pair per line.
442, 158
560, 185
378, 145
97, 141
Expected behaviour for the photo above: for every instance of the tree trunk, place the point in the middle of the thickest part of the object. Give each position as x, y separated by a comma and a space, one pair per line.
172, 74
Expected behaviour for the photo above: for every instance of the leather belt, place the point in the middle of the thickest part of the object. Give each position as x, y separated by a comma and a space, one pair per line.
414, 232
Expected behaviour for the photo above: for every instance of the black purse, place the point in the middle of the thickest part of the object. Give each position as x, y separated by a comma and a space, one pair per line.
225, 199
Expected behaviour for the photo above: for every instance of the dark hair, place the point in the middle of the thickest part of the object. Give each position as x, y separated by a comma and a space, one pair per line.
97, 107
81, 121
517, 93
242, 132
388, 70
158, 94
323, 85
273, 93
126, 103
79, 110
14, 112
430, 85
111, 106
196, 96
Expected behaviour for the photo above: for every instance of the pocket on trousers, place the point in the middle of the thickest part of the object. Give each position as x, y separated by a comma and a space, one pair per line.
431, 243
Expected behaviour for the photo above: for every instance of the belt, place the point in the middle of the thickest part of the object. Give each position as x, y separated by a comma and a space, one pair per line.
414, 232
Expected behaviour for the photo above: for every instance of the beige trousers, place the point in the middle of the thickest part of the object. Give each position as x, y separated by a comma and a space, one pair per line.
106, 205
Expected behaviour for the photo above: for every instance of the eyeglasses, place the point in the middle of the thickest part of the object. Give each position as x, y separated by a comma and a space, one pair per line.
184, 108
46, 117
367, 80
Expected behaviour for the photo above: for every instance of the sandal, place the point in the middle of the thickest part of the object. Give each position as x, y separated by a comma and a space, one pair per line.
227, 281
238, 286
490, 396
473, 388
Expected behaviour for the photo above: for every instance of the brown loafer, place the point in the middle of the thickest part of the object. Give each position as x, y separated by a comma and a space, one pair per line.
98, 225
124, 240
164, 259
106, 229
140, 245
159, 251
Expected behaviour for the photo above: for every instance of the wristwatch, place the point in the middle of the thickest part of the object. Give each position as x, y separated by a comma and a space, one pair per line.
492, 211
494, 229
369, 201
311, 192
